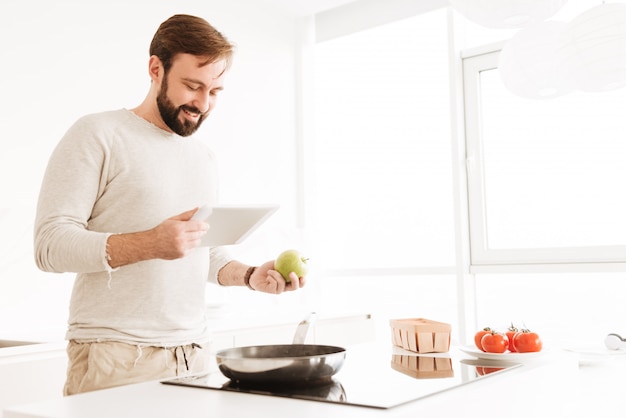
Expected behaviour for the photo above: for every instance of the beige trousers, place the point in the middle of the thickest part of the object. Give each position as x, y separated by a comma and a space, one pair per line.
100, 365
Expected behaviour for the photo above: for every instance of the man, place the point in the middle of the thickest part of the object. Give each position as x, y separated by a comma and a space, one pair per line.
115, 207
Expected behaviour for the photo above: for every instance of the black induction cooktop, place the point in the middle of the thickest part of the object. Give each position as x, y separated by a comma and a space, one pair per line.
372, 376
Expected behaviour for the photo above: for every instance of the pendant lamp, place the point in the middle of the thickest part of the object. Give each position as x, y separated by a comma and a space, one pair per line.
595, 48
531, 63
507, 14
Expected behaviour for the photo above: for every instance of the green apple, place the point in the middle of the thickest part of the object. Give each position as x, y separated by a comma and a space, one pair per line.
288, 261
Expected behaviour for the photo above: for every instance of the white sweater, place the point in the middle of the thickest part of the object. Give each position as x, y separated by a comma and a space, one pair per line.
114, 172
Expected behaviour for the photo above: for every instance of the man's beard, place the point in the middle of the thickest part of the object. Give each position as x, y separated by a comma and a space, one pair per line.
170, 113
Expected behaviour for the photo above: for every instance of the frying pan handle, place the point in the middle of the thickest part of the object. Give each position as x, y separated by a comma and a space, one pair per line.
303, 328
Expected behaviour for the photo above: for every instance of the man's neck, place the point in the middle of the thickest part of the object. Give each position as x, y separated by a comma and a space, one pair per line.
150, 112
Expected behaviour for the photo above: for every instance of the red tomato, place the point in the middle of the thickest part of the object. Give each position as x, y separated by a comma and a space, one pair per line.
510, 333
479, 335
527, 341
494, 342
484, 370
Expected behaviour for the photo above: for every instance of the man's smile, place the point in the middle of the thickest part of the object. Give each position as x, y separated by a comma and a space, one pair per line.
191, 113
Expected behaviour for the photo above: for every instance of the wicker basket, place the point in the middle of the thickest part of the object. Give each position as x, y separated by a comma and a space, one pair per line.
421, 335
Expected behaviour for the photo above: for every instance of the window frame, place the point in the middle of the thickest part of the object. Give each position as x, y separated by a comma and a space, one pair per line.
483, 258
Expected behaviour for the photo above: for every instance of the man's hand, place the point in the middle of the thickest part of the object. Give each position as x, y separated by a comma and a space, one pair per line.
173, 238
176, 236
266, 279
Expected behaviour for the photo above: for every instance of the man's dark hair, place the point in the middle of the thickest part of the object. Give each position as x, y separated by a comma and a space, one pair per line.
185, 34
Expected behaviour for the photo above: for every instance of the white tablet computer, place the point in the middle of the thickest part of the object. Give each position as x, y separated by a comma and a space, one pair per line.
230, 225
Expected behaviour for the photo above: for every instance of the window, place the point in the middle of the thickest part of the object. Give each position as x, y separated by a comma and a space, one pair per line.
383, 179
546, 177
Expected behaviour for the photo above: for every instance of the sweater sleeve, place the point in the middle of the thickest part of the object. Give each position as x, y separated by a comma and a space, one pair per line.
72, 182
219, 258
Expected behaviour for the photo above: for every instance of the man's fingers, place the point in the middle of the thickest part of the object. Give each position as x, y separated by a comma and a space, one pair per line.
185, 216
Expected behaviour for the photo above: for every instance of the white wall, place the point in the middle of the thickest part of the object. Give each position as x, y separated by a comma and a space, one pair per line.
65, 58
62, 59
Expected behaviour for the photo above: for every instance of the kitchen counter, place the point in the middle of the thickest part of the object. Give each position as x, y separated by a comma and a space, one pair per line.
546, 386
31, 371
602, 388
30, 349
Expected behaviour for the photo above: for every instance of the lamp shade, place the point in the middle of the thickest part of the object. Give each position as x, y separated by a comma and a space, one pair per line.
507, 14
595, 48
531, 63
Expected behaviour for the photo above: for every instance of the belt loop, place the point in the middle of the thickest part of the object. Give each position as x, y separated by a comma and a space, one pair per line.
185, 357
177, 351
184, 349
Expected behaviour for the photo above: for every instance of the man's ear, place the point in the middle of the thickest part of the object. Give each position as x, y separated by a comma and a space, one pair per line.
155, 68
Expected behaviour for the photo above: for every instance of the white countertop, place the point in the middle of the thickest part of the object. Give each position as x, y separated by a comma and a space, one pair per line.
31, 351
602, 389
551, 383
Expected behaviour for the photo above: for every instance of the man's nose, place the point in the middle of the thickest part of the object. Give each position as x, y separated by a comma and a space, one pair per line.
203, 102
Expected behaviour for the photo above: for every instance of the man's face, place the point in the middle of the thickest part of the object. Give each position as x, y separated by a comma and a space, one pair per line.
189, 92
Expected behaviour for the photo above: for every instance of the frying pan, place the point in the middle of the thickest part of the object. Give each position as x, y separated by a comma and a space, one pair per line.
293, 364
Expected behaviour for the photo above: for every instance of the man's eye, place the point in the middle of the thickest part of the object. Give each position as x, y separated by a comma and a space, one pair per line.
193, 88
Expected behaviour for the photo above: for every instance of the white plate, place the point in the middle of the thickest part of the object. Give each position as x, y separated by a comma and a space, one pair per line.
507, 356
